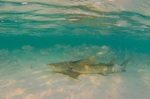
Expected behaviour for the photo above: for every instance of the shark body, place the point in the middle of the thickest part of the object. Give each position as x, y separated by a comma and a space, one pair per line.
87, 66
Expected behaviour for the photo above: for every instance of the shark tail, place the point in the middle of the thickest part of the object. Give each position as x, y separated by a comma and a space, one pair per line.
124, 64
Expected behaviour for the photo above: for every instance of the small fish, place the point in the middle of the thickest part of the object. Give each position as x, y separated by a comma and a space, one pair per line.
87, 66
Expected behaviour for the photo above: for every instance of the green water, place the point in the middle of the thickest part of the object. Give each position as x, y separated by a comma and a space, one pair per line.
44, 25
115, 42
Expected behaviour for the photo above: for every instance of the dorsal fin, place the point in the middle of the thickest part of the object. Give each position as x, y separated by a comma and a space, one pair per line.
90, 59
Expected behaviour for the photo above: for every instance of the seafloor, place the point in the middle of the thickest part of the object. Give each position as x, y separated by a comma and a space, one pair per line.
24, 74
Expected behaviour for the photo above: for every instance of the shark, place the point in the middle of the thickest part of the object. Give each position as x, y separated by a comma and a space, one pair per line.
87, 66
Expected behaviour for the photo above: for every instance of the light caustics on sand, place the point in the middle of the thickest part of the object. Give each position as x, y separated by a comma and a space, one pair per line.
24, 76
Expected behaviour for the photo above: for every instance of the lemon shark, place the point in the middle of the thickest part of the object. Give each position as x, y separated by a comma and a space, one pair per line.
87, 66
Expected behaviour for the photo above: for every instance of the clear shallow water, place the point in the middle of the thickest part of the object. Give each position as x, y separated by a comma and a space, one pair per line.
35, 33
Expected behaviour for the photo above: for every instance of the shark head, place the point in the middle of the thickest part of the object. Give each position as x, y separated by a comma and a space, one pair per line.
63, 68
55, 66
58, 67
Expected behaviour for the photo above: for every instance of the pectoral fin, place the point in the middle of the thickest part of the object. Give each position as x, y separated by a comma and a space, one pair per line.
103, 73
72, 74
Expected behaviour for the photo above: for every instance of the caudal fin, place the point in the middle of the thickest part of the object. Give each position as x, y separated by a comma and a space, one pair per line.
124, 64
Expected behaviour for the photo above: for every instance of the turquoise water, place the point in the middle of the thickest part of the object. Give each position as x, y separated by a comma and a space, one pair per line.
115, 42
35, 33
79, 24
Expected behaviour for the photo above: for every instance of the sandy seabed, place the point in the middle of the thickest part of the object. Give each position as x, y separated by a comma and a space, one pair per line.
24, 75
